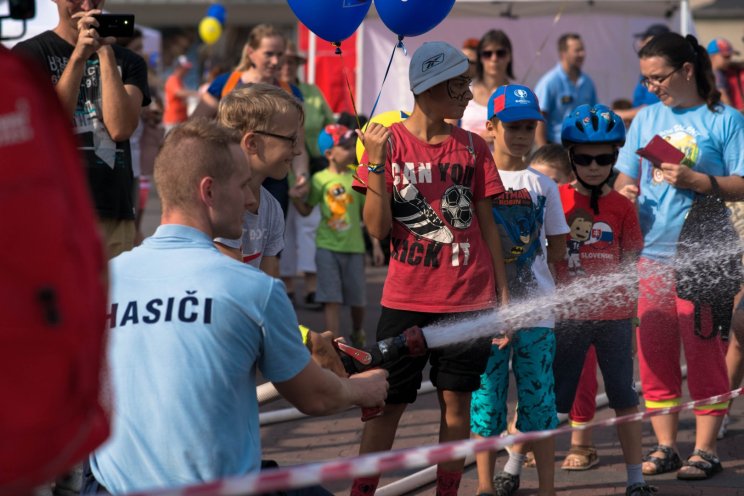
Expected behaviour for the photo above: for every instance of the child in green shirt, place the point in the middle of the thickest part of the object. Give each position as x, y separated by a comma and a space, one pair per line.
339, 239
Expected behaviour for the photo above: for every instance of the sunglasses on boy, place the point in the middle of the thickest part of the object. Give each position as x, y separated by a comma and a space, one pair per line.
585, 160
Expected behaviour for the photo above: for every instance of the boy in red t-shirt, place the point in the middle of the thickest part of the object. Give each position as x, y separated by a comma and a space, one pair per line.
604, 242
428, 185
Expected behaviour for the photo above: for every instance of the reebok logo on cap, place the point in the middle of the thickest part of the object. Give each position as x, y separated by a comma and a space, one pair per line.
432, 62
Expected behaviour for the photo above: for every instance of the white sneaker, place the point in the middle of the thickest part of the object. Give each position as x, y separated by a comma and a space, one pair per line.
724, 427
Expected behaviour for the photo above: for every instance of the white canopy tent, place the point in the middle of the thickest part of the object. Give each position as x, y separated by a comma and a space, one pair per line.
534, 26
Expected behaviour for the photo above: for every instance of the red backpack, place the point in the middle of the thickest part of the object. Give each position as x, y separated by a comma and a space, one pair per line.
52, 288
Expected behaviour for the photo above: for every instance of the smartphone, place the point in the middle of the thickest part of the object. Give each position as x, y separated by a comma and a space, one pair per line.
118, 25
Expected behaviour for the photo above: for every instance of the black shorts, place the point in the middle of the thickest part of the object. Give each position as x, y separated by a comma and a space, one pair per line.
453, 368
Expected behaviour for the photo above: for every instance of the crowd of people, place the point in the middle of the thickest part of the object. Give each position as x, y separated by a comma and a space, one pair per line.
488, 194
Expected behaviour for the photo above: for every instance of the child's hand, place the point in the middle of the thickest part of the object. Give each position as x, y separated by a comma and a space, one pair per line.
301, 187
375, 138
378, 257
502, 340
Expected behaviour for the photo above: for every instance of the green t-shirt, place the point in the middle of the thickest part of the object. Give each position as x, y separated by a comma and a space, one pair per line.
340, 227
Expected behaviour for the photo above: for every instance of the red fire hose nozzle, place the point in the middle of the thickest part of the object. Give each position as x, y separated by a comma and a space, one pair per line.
409, 343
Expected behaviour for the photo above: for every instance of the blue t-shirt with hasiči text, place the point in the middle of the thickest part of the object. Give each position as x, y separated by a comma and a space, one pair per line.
189, 328
713, 143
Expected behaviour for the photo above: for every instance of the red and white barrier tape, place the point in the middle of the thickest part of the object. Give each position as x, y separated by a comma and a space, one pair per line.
375, 463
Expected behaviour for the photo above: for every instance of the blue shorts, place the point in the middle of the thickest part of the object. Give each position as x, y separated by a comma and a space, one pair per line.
531, 351
613, 340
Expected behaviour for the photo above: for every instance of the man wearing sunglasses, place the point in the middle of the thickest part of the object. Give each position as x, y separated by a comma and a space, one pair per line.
563, 88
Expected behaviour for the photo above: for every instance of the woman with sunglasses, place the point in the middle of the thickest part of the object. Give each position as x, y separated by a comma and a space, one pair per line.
493, 69
604, 241
711, 136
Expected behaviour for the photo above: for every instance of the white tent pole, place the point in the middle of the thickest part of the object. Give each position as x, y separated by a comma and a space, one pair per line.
311, 53
684, 17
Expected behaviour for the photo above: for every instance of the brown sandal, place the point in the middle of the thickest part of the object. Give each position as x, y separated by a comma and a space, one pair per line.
580, 458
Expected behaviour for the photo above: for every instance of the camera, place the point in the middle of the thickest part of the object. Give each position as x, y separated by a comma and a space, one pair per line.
118, 25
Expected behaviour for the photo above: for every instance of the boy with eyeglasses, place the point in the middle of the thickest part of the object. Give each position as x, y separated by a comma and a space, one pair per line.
605, 241
270, 120
428, 184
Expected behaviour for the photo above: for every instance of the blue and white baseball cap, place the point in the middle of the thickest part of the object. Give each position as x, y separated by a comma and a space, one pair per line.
514, 102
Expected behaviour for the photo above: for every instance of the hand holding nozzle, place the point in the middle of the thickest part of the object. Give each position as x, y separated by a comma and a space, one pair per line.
410, 343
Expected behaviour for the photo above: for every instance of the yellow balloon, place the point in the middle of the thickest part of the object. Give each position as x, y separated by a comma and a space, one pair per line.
387, 119
210, 30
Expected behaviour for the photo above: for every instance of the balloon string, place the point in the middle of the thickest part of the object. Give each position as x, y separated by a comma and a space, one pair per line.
545, 40
398, 44
348, 84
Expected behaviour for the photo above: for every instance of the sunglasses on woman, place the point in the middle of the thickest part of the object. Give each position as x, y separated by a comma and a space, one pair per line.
500, 53
585, 160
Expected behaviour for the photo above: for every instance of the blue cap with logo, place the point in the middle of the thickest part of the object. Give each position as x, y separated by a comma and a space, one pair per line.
514, 102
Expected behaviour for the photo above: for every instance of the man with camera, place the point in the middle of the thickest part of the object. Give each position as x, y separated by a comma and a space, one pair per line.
102, 86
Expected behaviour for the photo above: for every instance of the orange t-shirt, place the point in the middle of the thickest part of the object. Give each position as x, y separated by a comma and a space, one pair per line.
175, 107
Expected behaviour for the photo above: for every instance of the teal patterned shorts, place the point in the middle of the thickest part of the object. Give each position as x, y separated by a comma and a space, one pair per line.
531, 351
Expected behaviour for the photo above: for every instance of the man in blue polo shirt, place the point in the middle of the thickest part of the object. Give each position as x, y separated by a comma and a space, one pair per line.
563, 88
190, 328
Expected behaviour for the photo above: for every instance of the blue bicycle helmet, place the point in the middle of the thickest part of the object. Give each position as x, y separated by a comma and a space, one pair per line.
597, 124
592, 125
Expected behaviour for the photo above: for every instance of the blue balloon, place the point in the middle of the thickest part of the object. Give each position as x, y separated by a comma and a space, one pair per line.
217, 11
331, 20
412, 17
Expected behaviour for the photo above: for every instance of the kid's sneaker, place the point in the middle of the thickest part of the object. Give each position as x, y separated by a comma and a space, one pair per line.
505, 484
640, 489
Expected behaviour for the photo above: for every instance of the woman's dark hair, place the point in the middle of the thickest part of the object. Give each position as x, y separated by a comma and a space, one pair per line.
498, 37
677, 50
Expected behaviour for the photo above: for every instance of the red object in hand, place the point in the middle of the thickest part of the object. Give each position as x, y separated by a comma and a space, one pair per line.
659, 150
409, 343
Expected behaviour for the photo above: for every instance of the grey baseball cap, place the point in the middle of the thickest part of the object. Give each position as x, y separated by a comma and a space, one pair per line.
433, 63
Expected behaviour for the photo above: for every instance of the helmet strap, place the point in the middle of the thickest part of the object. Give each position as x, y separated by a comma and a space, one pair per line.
594, 190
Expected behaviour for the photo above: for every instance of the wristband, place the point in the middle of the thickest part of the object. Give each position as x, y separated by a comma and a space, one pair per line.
376, 168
